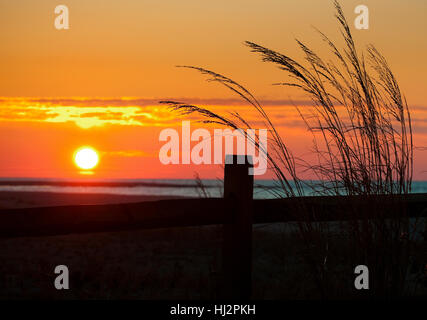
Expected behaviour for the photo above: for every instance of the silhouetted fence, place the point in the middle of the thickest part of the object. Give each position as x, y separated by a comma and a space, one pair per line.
237, 211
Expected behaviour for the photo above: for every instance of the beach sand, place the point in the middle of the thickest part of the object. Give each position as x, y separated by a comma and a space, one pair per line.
174, 263
12, 199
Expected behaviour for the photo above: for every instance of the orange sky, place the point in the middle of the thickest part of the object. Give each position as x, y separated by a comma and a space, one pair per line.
98, 83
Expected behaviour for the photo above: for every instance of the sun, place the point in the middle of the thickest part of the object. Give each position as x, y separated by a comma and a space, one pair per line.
86, 158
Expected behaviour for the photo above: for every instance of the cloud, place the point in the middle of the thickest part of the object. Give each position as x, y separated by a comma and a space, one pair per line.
96, 112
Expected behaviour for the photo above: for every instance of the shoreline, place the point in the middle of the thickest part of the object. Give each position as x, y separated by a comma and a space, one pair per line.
29, 199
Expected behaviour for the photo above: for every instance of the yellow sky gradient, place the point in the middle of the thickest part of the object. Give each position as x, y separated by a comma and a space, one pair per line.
130, 47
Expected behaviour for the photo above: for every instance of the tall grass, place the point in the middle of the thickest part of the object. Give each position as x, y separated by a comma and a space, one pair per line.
362, 135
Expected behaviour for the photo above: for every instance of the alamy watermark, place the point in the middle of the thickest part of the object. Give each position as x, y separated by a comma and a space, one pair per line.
209, 150
361, 22
62, 280
62, 18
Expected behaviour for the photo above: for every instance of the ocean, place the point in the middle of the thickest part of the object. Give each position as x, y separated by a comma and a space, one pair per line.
263, 189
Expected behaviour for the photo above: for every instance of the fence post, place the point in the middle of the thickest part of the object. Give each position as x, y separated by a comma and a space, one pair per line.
237, 241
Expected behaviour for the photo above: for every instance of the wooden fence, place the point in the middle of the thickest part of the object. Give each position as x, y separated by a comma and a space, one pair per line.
237, 212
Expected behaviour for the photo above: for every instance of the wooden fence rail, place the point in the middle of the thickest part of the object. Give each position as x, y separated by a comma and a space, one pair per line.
46, 221
237, 211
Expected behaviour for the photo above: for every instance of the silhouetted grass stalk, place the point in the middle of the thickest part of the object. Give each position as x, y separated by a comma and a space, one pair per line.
362, 133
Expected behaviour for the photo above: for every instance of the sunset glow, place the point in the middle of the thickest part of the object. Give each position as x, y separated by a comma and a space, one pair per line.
101, 81
86, 158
